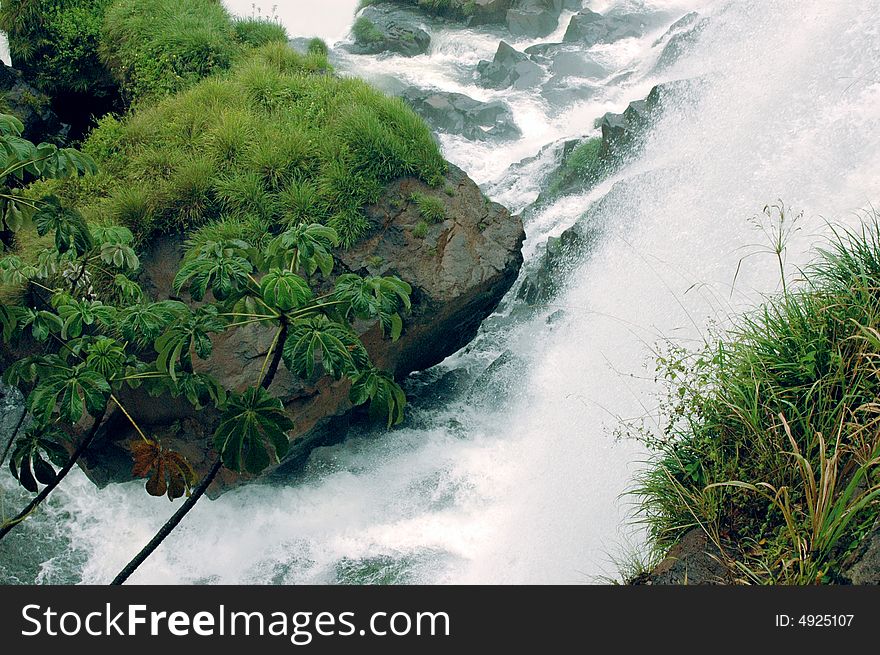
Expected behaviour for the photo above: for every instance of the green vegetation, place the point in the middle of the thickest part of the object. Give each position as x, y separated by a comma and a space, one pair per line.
97, 340
420, 231
55, 43
586, 165
277, 141
160, 47
365, 31
431, 208
256, 32
770, 441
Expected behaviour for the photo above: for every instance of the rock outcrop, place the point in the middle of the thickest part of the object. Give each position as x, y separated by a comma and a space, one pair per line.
382, 29
31, 107
509, 67
459, 272
457, 113
692, 561
589, 28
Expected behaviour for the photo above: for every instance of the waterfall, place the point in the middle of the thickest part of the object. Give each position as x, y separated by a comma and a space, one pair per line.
520, 478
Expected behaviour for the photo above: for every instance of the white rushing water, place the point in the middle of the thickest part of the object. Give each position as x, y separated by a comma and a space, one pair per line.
526, 486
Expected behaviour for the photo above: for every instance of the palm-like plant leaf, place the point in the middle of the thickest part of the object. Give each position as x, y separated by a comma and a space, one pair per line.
387, 399
69, 226
33, 456
252, 431
168, 472
382, 298
304, 248
318, 339
73, 390
284, 290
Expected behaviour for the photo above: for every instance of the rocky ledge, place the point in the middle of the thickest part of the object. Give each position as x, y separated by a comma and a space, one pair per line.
459, 269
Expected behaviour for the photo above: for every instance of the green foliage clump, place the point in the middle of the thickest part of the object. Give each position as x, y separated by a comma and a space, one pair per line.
158, 47
586, 165
318, 46
256, 32
769, 442
277, 142
365, 31
55, 43
420, 231
431, 208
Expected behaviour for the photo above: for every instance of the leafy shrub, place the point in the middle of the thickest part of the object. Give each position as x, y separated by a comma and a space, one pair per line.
277, 142
158, 47
55, 43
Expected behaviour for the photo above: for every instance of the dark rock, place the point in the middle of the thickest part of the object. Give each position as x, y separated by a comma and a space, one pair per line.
459, 273
500, 382
509, 67
560, 254
576, 64
12, 408
864, 565
32, 107
534, 18
490, 11
561, 92
589, 28
460, 114
380, 29
692, 561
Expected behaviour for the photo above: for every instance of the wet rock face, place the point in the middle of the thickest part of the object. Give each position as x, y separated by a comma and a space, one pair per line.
692, 561
864, 565
383, 29
509, 67
680, 37
457, 113
31, 107
534, 18
589, 28
459, 272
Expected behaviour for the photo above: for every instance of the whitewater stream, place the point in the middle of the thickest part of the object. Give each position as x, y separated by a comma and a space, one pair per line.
513, 474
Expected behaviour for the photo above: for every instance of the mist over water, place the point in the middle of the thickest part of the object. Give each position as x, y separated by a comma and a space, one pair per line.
523, 482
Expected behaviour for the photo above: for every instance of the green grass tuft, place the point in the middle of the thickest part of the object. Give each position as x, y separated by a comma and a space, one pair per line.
769, 440
431, 208
278, 139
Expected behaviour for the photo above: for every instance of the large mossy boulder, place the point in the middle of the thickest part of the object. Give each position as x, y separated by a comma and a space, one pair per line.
277, 141
459, 269
383, 29
456, 113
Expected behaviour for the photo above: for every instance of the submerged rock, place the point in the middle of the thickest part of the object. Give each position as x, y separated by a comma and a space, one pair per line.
534, 18
509, 67
589, 28
459, 272
382, 29
457, 113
